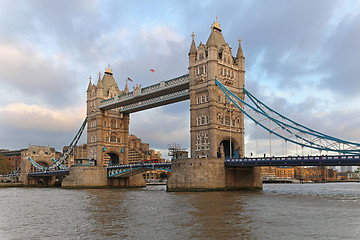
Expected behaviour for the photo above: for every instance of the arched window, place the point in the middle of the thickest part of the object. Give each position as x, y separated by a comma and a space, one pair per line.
203, 120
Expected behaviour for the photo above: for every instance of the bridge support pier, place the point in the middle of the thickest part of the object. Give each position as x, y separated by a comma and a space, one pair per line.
96, 177
86, 177
44, 181
210, 174
128, 182
243, 178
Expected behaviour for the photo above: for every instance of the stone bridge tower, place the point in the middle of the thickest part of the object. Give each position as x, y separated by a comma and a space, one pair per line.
217, 126
107, 130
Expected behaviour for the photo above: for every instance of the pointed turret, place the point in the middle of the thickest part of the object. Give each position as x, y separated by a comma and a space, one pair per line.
240, 59
126, 90
90, 85
99, 83
240, 53
192, 52
193, 49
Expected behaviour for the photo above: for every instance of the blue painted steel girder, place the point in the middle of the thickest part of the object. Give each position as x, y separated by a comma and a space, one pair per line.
133, 169
49, 173
335, 160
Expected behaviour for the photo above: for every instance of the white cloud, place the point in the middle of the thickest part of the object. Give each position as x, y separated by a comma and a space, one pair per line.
34, 117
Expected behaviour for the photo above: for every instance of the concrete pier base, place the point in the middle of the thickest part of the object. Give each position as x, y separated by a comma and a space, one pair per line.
209, 174
129, 182
86, 177
96, 177
44, 181
243, 178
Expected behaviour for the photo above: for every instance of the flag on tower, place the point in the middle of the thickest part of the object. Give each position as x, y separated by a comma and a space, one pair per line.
129, 79
152, 70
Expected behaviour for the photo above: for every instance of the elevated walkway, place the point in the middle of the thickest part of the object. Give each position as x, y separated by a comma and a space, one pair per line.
163, 93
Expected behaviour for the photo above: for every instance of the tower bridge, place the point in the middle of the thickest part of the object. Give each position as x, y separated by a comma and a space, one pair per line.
215, 86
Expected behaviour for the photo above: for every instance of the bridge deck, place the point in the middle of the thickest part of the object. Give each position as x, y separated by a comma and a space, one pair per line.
133, 169
337, 160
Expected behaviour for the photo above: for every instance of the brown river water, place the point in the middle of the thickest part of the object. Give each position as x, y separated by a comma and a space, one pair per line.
279, 211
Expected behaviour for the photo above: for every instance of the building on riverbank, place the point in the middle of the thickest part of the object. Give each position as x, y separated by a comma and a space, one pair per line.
277, 172
315, 174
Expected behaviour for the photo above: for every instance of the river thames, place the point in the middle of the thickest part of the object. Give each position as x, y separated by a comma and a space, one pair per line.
279, 211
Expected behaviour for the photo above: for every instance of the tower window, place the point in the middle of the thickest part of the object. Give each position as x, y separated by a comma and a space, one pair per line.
203, 121
201, 56
113, 123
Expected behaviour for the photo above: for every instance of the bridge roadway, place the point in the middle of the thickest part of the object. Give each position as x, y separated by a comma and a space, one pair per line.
163, 93
127, 170
333, 160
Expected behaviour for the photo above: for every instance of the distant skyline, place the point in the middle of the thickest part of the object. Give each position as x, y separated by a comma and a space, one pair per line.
301, 58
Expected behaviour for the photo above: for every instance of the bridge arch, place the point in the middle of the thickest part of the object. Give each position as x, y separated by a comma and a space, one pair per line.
113, 158
224, 148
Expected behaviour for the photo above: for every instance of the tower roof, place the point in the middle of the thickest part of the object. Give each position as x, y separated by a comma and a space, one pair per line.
108, 81
216, 36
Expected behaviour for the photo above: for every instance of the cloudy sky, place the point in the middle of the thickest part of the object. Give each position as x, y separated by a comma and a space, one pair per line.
302, 59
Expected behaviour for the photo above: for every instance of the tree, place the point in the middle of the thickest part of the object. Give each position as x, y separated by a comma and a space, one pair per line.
5, 167
163, 175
